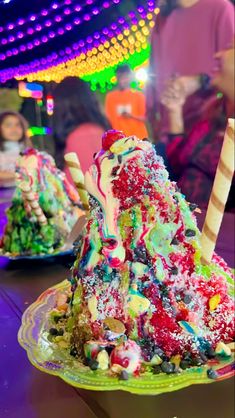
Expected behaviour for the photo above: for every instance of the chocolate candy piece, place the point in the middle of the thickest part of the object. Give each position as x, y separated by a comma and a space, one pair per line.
197, 361
212, 374
123, 375
184, 364
167, 367
203, 357
53, 331
119, 159
210, 353
157, 369
175, 241
192, 206
187, 299
174, 270
114, 171
93, 364
190, 233
57, 318
73, 352
115, 325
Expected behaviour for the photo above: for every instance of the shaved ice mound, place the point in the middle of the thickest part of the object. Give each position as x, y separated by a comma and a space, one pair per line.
138, 285
57, 198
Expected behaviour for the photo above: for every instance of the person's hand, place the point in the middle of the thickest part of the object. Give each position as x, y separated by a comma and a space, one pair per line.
177, 91
173, 98
224, 78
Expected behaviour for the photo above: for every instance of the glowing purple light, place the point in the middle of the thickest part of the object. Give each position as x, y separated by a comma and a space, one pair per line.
77, 21
58, 19
11, 38
38, 28
44, 12
10, 26
30, 31
77, 8
87, 17
21, 22
68, 26
54, 6
4, 41
67, 11
95, 11
48, 23
20, 35
36, 42
32, 18
51, 34
79, 47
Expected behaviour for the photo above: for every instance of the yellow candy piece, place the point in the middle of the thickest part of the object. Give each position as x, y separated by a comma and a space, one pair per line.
138, 304
176, 360
103, 360
156, 360
115, 325
214, 302
92, 306
223, 349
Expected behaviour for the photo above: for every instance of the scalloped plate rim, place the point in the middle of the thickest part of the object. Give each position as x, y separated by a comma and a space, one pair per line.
37, 256
40, 301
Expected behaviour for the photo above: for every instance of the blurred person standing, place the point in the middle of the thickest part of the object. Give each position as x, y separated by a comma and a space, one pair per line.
125, 107
186, 37
78, 122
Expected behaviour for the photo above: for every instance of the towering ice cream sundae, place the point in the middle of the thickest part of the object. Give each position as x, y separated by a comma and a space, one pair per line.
44, 208
140, 297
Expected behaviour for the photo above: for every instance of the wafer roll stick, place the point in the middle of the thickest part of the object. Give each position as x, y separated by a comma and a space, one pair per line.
77, 175
219, 194
32, 202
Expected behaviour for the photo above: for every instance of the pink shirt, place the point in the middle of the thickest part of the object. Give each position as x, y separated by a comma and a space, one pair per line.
189, 38
85, 141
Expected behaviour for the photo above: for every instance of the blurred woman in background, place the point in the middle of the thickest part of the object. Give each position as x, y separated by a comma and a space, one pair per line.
13, 140
78, 122
185, 40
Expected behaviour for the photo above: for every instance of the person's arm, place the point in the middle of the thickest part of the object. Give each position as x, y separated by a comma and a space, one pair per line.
173, 99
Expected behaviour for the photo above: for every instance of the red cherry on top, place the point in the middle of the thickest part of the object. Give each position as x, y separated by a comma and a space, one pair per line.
110, 137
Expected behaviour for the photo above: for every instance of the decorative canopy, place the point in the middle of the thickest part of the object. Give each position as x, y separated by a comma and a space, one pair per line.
49, 40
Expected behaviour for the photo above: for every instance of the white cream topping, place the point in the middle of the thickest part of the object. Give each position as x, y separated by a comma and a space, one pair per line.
98, 182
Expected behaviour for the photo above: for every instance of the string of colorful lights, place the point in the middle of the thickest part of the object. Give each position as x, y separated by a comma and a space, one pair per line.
95, 57
49, 23
45, 12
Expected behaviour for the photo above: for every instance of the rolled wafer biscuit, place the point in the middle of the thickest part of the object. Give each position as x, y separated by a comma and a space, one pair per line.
34, 205
77, 175
219, 194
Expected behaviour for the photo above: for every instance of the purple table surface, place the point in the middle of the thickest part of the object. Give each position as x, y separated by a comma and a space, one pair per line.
27, 393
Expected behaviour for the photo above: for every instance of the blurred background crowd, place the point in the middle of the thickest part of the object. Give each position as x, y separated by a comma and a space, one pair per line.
172, 83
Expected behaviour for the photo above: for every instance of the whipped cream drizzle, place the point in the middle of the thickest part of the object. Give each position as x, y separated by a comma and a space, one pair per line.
98, 182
